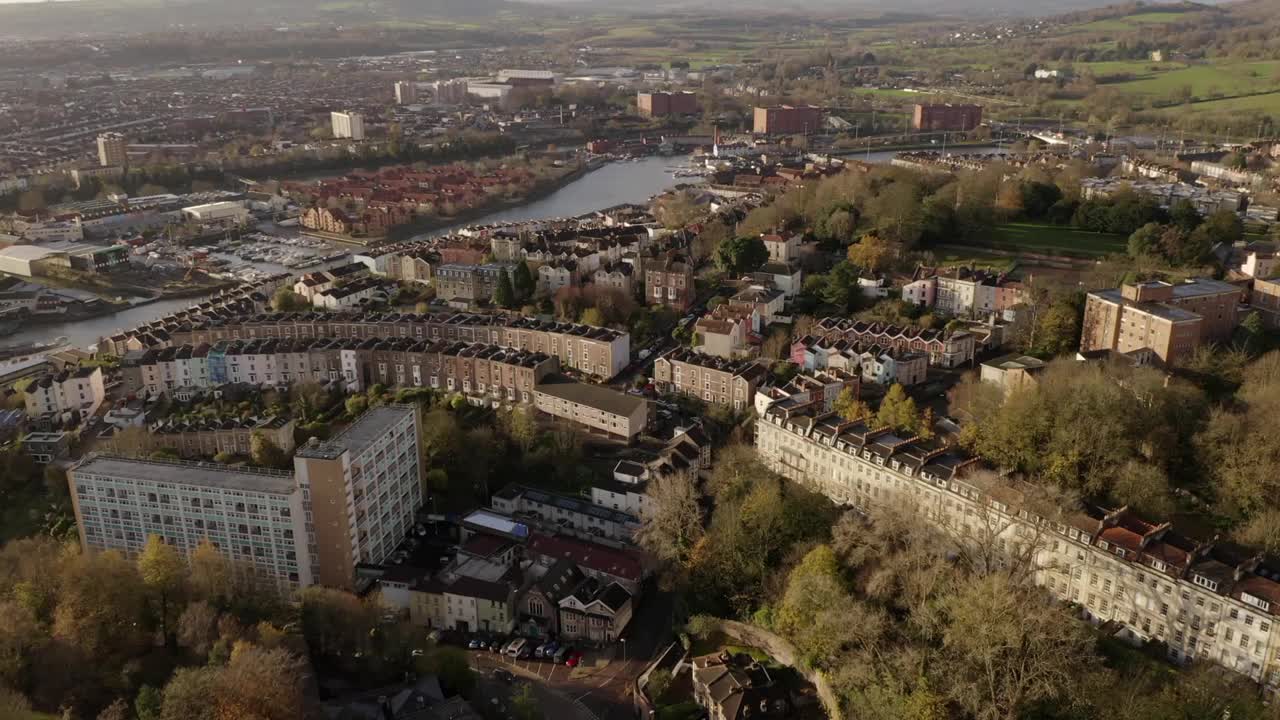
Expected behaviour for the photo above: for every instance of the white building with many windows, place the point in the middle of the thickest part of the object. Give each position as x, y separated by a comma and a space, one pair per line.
257, 519
1202, 599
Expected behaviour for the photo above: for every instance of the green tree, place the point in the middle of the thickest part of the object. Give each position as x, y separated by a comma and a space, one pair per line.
1145, 241
356, 405
898, 410
741, 254
286, 300
521, 426
503, 293
522, 282
148, 703
264, 452
441, 438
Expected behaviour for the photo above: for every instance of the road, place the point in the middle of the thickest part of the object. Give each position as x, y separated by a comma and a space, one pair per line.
599, 688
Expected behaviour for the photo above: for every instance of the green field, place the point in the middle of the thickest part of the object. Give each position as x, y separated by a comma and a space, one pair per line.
1056, 240
973, 258
1204, 80
1133, 21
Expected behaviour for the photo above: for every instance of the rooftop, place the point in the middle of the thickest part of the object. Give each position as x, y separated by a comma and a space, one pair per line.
593, 396
362, 433
188, 473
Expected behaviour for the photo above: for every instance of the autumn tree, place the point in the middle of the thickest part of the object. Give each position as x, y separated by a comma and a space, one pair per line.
898, 410
848, 406
870, 253
503, 292
164, 575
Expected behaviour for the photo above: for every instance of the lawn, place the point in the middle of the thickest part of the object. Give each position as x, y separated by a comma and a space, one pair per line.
973, 258
1204, 80
1056, 240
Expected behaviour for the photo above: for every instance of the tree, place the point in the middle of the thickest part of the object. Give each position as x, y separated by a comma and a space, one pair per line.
503, 293
210, 575
117, 710
1145, 241
148, 703
286, 300
164, 574
870, 253
308, 398
256, 683
741, 254
849, 407
677, 210
898, 410
521, 426
592, 316
1008, 646
522, 282
264, 452
673, 524
356, 405
441, 437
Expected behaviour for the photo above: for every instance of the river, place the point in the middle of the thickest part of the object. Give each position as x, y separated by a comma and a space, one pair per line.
613, 184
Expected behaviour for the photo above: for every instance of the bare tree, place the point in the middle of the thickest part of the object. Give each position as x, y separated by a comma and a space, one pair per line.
673, 522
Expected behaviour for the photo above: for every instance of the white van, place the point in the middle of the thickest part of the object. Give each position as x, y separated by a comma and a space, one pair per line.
516, 646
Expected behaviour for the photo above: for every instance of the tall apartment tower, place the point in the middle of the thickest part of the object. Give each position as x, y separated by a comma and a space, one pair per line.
111, 149
350, 500
364, 486
406, 92
347, 124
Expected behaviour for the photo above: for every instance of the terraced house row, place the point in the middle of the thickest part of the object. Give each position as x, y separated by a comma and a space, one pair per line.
595, 351
1140, 580
475, 369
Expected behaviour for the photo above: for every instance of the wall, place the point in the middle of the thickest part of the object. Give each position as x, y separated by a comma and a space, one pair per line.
784, 652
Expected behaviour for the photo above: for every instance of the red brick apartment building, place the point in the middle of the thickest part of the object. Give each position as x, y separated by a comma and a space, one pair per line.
787, 119
661, 104
946, 117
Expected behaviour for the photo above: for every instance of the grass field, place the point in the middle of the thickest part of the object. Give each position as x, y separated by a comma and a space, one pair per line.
1132, 21
974, 258
1056, 240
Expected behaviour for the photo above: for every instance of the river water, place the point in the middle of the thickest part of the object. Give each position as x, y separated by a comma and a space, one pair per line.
613, 184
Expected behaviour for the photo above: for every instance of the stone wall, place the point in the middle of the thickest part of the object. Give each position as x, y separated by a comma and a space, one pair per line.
784, 652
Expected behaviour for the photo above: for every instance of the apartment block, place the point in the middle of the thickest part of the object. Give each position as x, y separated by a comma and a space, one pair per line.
945, 116
257, 519
1170, 319
595, 407
364, 486
112, 150
347, 124
662, 104
406, 92
787, 120
1201, 599
713, 379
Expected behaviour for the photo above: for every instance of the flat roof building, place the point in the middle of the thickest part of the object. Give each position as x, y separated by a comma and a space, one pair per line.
1171, 319
595, 406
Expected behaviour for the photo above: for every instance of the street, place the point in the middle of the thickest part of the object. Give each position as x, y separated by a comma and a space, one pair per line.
600, 687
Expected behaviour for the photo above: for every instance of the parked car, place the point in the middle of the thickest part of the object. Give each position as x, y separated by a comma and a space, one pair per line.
477, 644
574, 658
524, 653
562, 653
517, 646
548, 649
506, 649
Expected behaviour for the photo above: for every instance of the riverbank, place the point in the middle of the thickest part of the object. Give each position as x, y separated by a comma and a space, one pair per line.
609, 185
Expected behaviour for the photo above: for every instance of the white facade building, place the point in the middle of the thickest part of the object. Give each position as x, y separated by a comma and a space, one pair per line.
347, 124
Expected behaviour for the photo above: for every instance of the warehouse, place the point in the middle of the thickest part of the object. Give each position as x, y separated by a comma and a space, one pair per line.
228, 212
